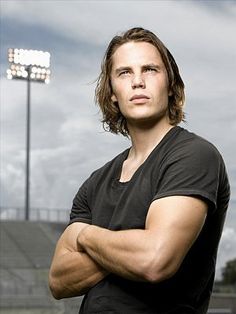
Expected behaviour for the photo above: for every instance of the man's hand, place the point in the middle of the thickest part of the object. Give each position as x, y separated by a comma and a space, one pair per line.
81, 235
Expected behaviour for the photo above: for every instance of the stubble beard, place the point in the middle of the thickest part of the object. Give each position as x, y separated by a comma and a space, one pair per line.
145, 123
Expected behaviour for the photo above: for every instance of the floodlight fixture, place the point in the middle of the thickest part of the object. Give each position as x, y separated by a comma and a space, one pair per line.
30, 65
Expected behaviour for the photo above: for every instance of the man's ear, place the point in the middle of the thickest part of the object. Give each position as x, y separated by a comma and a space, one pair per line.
113, 98
170, 93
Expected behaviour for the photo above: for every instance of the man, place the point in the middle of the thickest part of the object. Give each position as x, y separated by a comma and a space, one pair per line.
145, 227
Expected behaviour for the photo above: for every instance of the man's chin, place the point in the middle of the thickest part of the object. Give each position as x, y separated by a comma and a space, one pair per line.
146, 122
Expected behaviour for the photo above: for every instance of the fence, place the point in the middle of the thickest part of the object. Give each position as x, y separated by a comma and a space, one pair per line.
36, 214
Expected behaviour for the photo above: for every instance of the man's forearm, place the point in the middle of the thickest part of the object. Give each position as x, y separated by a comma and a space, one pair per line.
122, 252
73, 274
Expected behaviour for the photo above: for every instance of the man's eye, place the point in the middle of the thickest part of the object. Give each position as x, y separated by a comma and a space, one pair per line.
150, 70
126, 72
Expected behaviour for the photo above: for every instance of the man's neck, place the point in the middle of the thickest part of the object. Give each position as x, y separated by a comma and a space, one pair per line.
144, 140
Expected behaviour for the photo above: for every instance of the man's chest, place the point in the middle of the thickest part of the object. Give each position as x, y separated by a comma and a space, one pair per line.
122, 206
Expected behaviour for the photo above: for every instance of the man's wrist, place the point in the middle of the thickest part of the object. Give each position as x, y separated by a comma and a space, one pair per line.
83, 236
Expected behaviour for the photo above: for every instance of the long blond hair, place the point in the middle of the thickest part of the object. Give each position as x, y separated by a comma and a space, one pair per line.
113, 120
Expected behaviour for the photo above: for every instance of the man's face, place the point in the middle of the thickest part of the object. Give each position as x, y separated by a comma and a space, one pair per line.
139, 83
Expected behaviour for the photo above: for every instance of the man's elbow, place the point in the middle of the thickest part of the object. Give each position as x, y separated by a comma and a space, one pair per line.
60, 290
157, 270
56, 293
55, 288
156, 275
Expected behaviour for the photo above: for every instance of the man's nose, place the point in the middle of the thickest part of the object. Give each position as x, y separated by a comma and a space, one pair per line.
138, 81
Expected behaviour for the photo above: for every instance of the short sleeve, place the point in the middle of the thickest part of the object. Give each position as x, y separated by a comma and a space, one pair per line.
192, 169
80, 211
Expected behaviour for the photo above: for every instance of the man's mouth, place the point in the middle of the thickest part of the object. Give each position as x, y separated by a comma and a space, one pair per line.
136, 97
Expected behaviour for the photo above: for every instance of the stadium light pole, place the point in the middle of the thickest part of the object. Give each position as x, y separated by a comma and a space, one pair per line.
33, 66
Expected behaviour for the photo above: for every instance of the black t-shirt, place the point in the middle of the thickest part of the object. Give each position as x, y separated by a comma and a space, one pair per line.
181, 164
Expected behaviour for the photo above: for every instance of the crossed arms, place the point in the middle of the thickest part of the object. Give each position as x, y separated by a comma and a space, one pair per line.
85, 254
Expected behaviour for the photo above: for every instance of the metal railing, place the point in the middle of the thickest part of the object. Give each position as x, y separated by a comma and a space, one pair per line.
219, 311
36, 214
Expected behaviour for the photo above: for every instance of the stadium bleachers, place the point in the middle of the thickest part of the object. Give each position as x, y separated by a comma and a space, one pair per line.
26, 250
26, 253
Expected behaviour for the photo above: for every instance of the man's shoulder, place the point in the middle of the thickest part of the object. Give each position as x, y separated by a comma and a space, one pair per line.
196, 144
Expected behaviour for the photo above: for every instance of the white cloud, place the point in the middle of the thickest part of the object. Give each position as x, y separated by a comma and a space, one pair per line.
85, 19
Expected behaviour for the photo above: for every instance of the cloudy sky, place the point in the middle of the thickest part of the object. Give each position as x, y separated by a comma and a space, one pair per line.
67, 138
